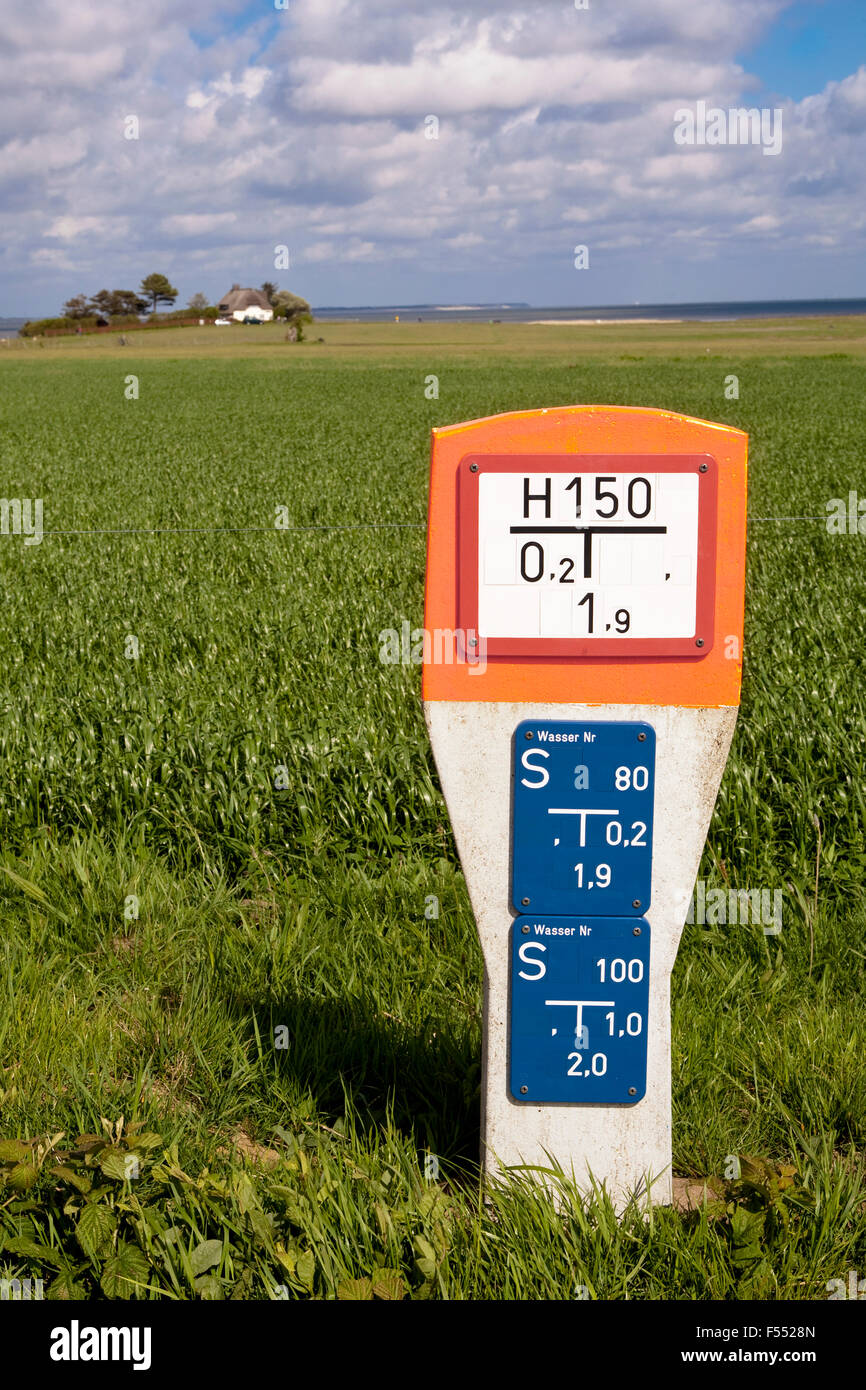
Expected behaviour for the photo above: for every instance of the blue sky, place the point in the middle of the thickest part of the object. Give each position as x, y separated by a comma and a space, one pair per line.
809, 45
307, 127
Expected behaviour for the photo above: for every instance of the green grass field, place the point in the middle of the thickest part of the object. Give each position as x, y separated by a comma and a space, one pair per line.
258, 788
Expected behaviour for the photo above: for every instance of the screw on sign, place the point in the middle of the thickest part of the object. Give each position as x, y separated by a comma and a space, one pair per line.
597, 555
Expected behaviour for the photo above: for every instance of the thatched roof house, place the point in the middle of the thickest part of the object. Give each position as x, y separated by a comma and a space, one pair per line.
246, 304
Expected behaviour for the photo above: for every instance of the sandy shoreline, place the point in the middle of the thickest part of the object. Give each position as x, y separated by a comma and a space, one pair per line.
607, 321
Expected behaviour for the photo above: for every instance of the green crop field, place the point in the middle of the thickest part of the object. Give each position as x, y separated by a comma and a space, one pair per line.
240, 1027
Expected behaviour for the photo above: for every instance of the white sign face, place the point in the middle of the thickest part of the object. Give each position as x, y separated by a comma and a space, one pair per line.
604, 556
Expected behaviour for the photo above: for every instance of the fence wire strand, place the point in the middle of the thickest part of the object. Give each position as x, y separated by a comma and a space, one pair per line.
285, 530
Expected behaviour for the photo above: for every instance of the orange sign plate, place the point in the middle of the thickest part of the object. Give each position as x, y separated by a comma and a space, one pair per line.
580, 671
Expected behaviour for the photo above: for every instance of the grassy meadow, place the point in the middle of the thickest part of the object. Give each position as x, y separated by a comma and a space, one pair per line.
239, 1056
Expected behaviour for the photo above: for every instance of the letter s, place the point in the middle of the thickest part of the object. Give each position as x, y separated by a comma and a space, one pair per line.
534, 767
530, 960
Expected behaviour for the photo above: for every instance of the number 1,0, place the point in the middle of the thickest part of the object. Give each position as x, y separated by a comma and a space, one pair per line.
633, 1024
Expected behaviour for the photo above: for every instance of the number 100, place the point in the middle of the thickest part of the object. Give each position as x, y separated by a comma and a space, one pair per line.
619, 971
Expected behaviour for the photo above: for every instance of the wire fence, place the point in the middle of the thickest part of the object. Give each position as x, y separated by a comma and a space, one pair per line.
278, 530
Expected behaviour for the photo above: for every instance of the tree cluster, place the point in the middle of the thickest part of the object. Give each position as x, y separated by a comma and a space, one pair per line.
285, 304
153, 290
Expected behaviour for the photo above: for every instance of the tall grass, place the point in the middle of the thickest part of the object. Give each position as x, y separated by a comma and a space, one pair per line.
240, 831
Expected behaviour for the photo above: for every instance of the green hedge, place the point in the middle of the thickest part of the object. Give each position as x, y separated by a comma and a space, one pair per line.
36, 326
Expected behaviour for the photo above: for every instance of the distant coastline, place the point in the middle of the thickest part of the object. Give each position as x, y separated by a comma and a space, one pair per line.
516, 312
602, 313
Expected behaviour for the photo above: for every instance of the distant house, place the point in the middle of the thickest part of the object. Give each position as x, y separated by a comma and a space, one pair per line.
246, 304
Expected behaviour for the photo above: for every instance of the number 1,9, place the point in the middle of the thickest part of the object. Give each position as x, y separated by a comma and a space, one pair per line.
621, 618
602, 875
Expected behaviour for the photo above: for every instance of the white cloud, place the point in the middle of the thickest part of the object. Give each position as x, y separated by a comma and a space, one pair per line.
71, 228
249, 85
479, 75
198, 223
465, 240
57, 259
765, 222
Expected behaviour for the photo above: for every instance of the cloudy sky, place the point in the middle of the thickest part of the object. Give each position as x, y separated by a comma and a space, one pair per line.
307, 127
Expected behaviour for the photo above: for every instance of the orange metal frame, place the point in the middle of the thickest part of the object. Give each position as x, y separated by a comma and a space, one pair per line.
581, 432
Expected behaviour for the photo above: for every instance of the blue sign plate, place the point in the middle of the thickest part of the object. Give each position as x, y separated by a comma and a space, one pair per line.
579, 1002
582, 827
